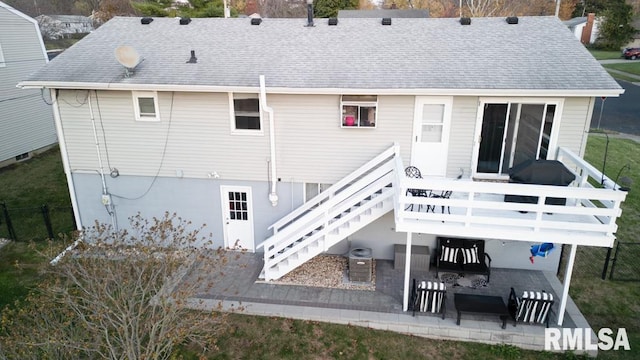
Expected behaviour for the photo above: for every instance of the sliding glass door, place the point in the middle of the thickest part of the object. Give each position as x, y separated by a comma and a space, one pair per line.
513, 132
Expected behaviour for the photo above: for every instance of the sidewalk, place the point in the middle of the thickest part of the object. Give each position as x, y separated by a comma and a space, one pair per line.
620, 61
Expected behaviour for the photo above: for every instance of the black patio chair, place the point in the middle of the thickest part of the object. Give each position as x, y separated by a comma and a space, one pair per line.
445, 194
414, 173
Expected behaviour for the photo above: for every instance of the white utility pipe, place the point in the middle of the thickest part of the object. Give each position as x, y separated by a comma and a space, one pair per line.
273, 195
65, 159
95, 139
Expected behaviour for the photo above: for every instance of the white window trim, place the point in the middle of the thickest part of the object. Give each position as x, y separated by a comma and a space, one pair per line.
359, 103
555, 130
232, 116
2, 61
136, 105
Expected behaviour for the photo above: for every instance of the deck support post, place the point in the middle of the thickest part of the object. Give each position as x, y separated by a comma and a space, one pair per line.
566, 283
407, 273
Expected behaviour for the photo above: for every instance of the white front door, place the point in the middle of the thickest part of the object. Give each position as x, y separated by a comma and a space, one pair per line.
432, 119
237, 217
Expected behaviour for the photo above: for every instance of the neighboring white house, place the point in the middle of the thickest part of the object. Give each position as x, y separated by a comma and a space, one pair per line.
585, 28
26, 120
240, 123
73, 24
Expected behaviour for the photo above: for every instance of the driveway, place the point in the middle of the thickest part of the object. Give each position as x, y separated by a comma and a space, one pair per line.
621, 114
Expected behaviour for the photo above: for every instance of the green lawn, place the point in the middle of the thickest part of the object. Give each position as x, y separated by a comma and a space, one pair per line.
619, 76
605, 303
605, 54
631, 67
26, 186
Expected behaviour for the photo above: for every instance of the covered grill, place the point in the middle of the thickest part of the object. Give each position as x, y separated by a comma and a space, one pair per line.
540, 172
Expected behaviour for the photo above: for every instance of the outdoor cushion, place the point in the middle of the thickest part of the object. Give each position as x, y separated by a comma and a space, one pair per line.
470, 256
533, 307
449, 254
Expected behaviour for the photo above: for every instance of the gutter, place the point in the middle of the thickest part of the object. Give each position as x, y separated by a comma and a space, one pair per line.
324, 91
273, 195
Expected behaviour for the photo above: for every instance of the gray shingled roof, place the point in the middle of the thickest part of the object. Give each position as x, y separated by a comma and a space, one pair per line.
538, 53
382, 13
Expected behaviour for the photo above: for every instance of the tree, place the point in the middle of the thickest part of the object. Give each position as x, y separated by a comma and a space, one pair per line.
329, 8
616, 29
49, 28
118, 296
282, 8
111, 8
193, 8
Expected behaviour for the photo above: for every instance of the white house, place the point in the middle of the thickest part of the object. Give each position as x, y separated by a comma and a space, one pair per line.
73, 24
291, 138
585, 28
26, 120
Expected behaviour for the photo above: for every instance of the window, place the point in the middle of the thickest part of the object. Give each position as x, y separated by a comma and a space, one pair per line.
145, 104
359, 111
245, 114
2, 63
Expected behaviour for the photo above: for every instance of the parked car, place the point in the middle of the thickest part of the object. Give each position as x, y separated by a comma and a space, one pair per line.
632, 53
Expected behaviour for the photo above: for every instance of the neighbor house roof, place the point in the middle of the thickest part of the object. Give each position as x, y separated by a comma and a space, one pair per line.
71, 18
382, 13
575, 21
537, 56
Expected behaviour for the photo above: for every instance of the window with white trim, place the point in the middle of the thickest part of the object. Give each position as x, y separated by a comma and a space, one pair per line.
246, 117
359, 111
145, 105
2, 63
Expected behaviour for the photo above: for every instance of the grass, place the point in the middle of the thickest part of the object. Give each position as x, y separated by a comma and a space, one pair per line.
255, 337
622, 77
605, 54
631, 67
26, 186
607, 303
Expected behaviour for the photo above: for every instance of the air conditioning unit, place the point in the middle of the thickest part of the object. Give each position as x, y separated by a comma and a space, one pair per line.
360, 264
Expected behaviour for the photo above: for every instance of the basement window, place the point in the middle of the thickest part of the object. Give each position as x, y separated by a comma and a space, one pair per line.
145, 105
245, 112
359, 111
2, 62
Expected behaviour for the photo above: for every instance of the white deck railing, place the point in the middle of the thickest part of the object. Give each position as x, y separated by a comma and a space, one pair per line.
477, 209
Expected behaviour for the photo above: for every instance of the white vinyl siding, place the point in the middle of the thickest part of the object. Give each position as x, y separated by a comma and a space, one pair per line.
463, 120
575, 121
198, 139
26, 121
313, 147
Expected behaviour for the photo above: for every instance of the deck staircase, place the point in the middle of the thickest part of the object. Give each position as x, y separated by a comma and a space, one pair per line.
346, 207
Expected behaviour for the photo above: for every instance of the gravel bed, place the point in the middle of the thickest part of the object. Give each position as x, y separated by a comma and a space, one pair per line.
328, 271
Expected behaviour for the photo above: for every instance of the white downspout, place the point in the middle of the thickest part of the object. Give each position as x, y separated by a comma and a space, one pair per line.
273, 195
65, 159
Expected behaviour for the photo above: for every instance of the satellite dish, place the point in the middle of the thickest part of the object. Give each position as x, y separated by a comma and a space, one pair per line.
127, 56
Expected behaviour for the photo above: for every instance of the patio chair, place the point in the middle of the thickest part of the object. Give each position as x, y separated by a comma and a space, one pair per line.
446, 194
532, 308
413, 172
429, 297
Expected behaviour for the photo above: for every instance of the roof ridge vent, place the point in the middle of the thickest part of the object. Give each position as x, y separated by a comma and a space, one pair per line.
512, 20
386, 21
465, 20
333, 21
146, 20
185, 20
256, 21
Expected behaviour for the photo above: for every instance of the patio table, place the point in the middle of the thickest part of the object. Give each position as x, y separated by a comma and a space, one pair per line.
481, 304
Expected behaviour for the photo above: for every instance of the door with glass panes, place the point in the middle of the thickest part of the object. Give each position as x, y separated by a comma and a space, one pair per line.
237, 217
432, 118
511, 133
